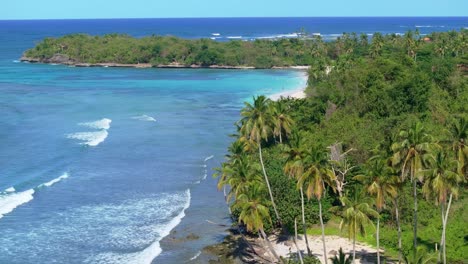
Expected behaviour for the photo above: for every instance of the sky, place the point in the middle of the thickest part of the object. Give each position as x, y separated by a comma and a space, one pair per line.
74, 9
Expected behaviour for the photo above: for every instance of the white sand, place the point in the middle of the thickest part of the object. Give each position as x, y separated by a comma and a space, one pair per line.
333, 243
297, 93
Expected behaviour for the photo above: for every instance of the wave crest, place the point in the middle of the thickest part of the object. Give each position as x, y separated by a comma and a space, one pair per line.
91, 139
10, 201
98, 124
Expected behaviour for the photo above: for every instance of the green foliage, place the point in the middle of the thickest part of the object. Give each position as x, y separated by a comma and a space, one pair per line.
159, 50
407, 92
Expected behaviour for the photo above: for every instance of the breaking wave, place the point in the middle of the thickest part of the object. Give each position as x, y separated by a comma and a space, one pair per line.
98, 124
91, 139
144, 118
54, 181
10, 201
150, 210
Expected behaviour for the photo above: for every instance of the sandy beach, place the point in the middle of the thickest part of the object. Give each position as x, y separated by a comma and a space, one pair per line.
364, 253
298, 93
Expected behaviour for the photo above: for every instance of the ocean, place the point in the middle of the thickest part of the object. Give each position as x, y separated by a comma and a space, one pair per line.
114, 165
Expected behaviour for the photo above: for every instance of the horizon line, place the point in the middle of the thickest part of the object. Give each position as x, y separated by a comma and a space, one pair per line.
134, 18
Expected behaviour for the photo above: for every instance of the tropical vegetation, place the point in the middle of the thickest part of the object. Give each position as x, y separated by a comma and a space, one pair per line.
379, 144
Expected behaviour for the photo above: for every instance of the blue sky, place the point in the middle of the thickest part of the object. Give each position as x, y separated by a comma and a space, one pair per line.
59, 9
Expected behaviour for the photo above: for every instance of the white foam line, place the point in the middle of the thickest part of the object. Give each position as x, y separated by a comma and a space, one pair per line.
147, 255
98, 124
208, 158
91, 139
196, 256
10, 190
9, 202
54, 181
144, 118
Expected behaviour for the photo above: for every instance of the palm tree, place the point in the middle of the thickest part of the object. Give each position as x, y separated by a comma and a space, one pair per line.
242, 176
409, 155
376, 45
458, 131
314, 179
378, 184
282, 122
296, 153
397, 182
256, 126
355, 215
442, 184
253, 212
341, 258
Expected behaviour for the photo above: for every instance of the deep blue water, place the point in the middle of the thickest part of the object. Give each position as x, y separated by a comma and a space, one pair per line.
97, 165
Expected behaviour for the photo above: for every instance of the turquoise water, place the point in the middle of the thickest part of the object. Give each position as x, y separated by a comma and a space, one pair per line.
99, 164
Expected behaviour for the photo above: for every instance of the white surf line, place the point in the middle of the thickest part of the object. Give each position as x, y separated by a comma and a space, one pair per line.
196, 256
93, 138
208, 158
144, 118
12, 199
54, 181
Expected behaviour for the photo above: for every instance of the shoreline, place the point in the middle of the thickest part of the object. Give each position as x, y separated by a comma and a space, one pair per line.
237, 249
62, 60
297, 93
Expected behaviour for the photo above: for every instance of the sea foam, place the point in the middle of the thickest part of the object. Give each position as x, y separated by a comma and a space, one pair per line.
196, 256
10, 201
91, 139
208, 158
10, 190
54, 181
98, 124
144, 118
149, 253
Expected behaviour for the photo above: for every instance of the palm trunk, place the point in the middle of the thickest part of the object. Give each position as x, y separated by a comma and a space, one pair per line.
354, 246
397, 217
323, 232
281, 138
225, 200
378, 240
415, 218
295, 242
304, 223
268, 183
270, 247
442, 235
444, 228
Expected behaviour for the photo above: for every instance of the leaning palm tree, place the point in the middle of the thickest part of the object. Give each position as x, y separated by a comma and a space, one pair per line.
282, 122
256, 126
379, 184
315, 179
442, 184
409, 155
355, 216
295, 153
254, 212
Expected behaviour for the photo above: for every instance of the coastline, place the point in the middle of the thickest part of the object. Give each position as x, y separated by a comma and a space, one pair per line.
297, 93
64, 60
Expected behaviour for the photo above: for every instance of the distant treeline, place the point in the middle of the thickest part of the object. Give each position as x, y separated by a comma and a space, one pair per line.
169, 50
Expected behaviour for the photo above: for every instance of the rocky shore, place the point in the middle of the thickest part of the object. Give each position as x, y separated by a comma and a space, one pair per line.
65, 60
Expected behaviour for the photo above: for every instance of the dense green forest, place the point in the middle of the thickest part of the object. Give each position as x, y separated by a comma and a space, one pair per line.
378, 147
166, 50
